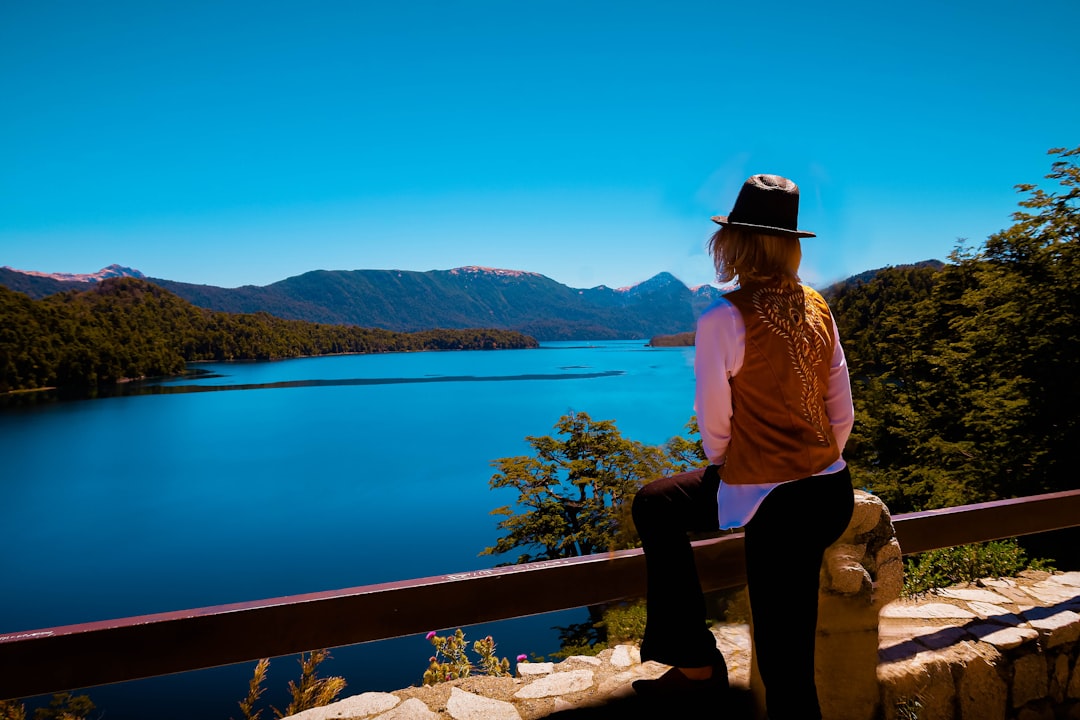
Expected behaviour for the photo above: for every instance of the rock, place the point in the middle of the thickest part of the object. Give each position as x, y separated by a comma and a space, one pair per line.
989, 610
1072, 579
1029, 679
587, 659
530, 669
363, 705
926, 681
889, 581
972, 594
625, 656
560, 683
1073, 690
411, 709
982, 693
925, 611
866, 514
844, 570
1060, 679
1054, 594
466, 706
1059, 628
1003, 638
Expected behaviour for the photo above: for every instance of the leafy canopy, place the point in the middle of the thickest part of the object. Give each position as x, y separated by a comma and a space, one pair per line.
574, 492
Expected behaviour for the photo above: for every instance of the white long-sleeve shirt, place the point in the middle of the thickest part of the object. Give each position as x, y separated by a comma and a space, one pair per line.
720, 347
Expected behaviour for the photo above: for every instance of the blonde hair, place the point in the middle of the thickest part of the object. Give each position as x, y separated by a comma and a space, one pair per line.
755, 257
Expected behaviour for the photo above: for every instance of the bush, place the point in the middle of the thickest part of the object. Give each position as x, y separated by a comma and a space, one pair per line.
967, 563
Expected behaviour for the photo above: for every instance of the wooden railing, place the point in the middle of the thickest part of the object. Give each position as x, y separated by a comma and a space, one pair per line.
77, 656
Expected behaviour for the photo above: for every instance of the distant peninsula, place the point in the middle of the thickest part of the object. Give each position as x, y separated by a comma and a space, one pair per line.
126, 328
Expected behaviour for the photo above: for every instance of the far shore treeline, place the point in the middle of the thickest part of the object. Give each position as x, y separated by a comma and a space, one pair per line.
129, 328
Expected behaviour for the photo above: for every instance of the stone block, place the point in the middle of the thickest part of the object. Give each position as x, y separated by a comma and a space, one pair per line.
587, 659
1072, 579
846, 654
467, 706
926, 611
1050, 593
1029, 679
560, 683
625, 656
1073, 691
982, 692
535, 669
1059, 679
925, 681
1003, 637
411, 709
1057, 629
844, 572
988, 610
368, 703
889, 581
866, 515
972, 594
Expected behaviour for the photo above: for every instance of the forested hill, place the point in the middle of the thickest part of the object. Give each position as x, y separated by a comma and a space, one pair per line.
466, 297
129, 328
966, 377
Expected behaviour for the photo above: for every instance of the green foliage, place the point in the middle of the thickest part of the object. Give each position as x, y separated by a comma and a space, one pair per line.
310, 691
909, 709
574, 492
62, 706
129, 328
965, 375
12, 710
624, 623
451, 659
967, 563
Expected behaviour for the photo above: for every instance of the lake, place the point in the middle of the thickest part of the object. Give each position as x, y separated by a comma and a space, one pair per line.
256, 480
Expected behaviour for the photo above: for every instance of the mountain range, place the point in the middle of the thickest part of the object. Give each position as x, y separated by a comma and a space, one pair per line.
408, 301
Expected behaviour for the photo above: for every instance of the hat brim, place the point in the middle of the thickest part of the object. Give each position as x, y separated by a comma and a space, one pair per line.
767, 229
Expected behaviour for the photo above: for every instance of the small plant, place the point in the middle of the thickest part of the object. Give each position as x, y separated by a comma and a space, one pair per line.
12, 710
624, 623
310, 692
63, 706
451, 660
909, 709
255, 691
967, 563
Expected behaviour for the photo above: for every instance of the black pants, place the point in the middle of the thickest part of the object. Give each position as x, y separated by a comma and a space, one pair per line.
785, 542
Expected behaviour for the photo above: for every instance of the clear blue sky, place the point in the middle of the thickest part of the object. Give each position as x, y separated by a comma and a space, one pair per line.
235, 143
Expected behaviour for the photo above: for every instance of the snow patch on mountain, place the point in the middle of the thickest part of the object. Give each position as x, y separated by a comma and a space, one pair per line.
480, 270
106, 272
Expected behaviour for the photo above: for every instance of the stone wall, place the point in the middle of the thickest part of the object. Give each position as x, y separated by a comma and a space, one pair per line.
1001, 649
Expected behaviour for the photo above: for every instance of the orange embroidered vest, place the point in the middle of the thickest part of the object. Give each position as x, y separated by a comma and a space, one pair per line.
780, 430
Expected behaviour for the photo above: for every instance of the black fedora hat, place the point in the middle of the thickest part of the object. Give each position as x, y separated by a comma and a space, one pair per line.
768, 204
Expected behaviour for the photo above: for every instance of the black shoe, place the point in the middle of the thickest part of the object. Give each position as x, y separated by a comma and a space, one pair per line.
673, 682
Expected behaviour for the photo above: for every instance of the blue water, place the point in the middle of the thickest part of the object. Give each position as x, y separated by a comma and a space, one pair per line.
256, 480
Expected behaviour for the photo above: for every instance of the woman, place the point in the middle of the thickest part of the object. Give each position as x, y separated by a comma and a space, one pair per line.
774, 407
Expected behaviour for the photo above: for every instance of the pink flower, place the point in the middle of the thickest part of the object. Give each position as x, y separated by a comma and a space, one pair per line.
430, 635
522, 658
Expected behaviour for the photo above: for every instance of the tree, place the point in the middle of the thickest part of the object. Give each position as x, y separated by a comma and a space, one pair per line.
965, 379
574, 493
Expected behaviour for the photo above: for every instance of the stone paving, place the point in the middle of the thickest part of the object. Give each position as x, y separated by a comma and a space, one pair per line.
1037, 611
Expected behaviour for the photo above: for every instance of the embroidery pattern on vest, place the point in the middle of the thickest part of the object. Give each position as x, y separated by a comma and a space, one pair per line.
792, 316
